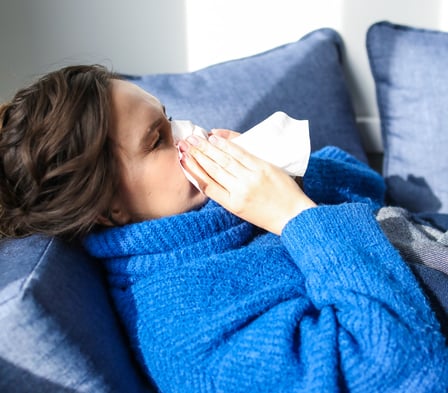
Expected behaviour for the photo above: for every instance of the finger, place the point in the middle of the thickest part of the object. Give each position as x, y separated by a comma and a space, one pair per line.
207, 184
215, 152
238, 153
222, 172
226, 134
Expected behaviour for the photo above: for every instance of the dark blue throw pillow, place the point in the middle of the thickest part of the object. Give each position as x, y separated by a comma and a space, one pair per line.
305, 79
410, 69
58, 331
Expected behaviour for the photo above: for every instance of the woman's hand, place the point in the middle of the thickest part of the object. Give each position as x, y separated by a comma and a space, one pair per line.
247, 186
225, 134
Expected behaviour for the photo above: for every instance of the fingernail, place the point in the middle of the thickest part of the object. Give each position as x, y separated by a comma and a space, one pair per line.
193, 140
213, 139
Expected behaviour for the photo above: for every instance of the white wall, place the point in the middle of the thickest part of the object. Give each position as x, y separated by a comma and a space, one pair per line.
133, 36
222, 29
150, 36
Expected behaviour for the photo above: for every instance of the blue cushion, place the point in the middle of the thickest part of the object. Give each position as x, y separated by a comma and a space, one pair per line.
304, 79
58, 331
410, 68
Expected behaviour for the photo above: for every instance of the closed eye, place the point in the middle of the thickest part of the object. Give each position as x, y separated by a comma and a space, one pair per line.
158, 135
156, 141
160, 139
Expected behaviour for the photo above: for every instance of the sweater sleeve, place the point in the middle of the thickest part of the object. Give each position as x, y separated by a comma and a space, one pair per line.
387, 337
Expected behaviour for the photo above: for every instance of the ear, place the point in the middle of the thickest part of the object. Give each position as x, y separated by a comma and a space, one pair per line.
117, 216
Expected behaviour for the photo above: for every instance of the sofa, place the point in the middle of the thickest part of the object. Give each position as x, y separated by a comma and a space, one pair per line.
59, 331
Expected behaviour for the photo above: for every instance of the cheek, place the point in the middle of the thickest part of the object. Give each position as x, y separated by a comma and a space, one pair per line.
135, 183
156, 180
165, 173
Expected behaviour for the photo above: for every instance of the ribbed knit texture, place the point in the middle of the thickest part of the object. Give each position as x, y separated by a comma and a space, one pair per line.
213, 304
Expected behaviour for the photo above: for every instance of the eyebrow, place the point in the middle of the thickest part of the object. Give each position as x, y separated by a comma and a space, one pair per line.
147, 135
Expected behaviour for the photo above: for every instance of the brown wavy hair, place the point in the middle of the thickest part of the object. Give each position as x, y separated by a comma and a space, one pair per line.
57, 172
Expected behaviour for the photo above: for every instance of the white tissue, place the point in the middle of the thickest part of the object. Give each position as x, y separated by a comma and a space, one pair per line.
279, 139
181, 129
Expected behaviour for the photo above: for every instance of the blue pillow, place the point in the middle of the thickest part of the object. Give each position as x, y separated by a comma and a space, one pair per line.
58, 330
410, 69
304, 79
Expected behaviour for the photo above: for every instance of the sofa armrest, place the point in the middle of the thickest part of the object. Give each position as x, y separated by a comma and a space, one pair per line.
59, 331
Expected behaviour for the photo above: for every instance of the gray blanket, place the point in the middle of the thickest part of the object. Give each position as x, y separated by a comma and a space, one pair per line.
417, 243
425, 249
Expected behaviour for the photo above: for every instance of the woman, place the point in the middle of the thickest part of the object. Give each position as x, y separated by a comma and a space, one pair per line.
250, 285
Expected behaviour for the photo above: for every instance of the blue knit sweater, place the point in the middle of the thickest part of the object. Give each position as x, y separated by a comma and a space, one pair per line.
213, 304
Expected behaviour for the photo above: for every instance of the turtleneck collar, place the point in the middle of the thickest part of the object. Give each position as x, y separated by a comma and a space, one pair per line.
211, 227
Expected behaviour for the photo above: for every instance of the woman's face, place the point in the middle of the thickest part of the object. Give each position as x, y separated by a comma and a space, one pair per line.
152, 184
